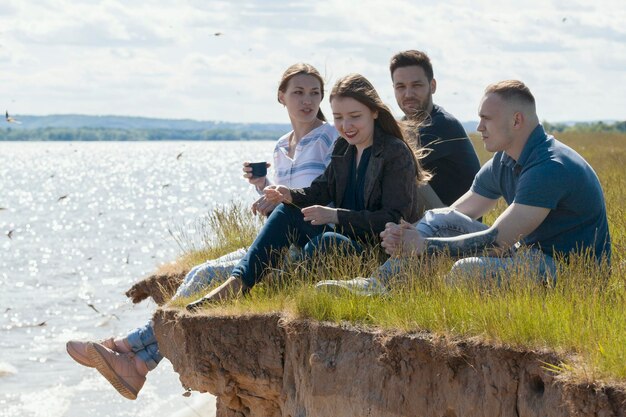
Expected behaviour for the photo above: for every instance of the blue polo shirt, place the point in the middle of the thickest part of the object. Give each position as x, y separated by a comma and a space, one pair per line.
550, 174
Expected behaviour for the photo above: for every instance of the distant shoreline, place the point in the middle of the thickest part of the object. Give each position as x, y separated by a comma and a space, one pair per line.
123, 128
90, 134
74, 127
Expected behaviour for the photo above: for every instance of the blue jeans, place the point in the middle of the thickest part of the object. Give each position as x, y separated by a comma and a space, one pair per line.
283, 227
144, 344
447, 222
214, 270
142, 340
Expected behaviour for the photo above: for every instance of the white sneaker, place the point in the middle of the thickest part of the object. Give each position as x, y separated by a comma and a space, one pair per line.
360, 286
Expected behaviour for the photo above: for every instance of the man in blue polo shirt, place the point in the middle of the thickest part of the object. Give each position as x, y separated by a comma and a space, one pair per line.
452, 159
555, 203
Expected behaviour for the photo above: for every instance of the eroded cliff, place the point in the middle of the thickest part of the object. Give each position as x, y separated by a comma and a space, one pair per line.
271, 365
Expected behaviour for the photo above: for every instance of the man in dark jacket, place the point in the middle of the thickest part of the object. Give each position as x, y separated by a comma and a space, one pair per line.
452, 159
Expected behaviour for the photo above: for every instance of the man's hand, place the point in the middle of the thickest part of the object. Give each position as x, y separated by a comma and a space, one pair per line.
276, 194
516, 222
319, 215
402, 239
262, 206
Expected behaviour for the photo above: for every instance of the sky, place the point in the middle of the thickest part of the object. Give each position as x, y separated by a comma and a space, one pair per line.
222, 60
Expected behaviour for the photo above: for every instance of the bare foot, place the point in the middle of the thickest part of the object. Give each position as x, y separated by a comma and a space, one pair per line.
228, 290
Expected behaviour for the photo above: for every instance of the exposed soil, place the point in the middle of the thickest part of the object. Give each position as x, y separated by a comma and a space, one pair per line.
159, 286
266, 365
270, 365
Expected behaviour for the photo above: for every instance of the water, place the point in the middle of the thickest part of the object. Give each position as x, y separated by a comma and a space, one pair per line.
86, 220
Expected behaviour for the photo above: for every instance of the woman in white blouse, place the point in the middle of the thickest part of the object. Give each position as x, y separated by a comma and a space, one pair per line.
300, 156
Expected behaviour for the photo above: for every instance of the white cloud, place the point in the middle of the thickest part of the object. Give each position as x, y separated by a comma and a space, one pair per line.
7, 8
102, 25
161, 58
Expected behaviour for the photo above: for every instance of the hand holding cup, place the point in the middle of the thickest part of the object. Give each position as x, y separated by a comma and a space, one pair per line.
256, 173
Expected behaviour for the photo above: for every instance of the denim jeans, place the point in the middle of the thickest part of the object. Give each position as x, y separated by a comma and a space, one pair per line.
214, 270
143, 342
447, 222
283, 227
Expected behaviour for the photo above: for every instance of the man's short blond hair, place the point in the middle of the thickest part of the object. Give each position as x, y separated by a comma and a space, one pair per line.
512, 90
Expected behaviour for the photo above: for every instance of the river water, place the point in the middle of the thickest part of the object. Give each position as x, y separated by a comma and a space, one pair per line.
79, 223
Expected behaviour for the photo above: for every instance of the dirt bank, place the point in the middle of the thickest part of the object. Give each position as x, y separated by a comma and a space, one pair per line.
269, 365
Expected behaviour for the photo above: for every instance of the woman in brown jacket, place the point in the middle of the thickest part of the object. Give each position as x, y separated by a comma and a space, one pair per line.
371, 180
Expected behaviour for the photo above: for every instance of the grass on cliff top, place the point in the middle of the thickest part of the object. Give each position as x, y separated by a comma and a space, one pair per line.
583, 318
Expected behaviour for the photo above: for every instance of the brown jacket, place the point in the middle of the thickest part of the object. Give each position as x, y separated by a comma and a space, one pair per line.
390, 187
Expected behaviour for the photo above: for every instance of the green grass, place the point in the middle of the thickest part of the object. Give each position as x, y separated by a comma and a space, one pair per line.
583, 318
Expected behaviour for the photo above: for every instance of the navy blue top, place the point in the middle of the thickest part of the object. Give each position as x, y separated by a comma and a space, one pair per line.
354, 195
550, 174
452, 161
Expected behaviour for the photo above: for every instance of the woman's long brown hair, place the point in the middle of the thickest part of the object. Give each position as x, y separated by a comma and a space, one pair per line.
360, 89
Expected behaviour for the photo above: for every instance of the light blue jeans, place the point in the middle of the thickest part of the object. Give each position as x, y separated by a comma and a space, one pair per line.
214, 270
447, 222
142, 340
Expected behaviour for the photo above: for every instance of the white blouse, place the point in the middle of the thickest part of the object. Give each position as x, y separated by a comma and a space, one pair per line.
310, 159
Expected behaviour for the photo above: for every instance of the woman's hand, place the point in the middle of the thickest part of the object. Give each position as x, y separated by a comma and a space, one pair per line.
319, 215
402, 239
276, 194
262, 206
258, 182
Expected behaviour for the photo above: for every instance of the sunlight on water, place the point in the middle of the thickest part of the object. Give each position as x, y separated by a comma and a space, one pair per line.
80, 222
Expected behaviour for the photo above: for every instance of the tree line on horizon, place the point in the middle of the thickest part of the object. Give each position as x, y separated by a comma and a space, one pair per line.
586, 127
95, 134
